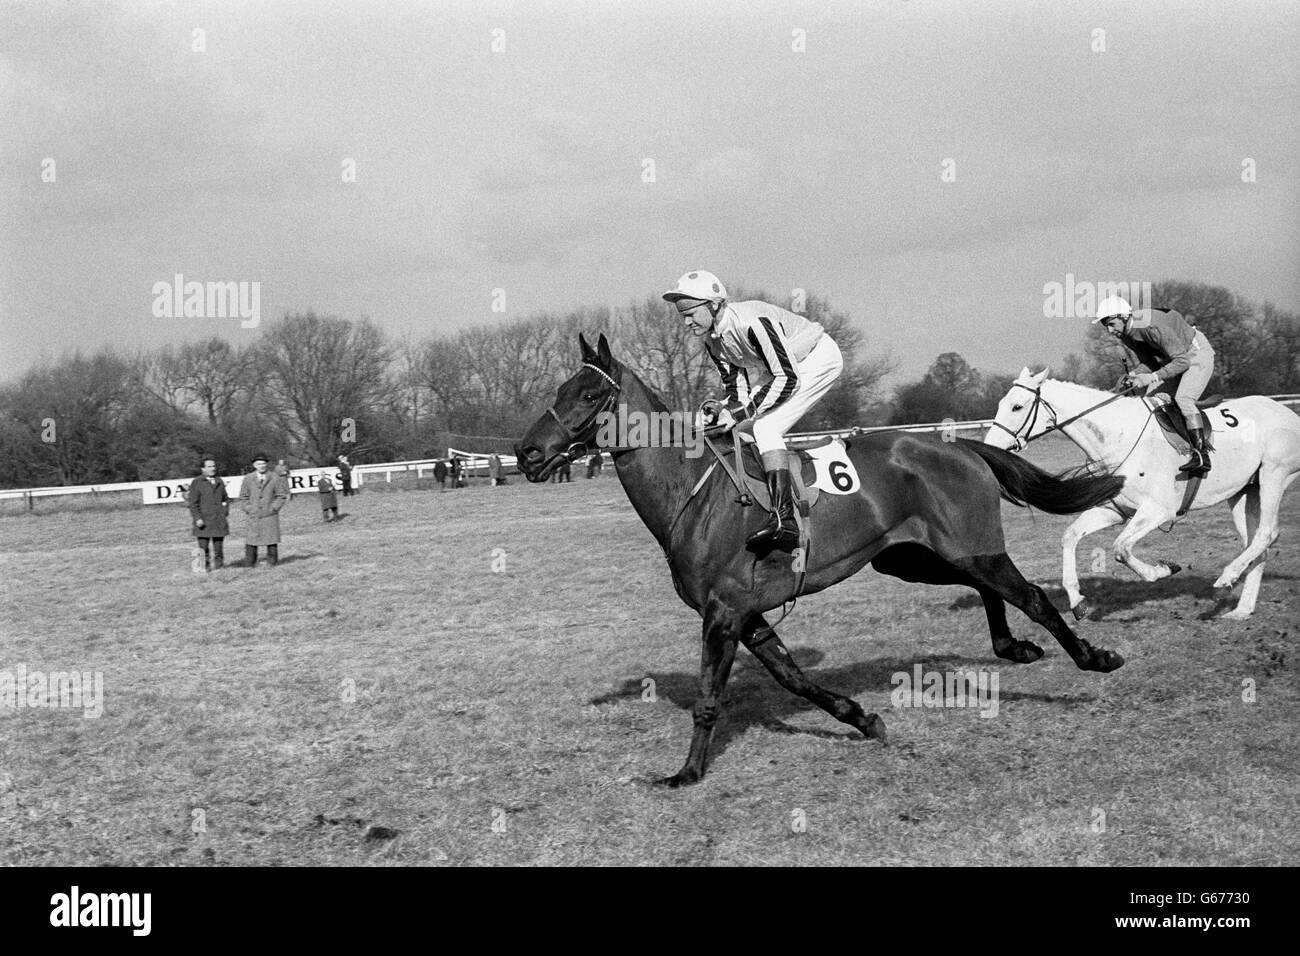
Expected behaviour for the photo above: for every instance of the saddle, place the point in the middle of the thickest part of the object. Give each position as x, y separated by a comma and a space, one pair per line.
1174, 425
806, 493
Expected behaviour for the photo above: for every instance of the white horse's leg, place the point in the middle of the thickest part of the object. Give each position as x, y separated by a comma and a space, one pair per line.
1245, 515
1150, 515
1273, 479
1094, 519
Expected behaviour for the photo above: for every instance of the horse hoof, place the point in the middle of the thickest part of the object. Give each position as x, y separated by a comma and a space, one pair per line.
681, 779
873, 728
1174, 568
1235, 616
1081, 610
1106, 661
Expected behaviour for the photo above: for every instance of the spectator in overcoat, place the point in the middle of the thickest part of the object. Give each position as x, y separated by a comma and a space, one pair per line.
209, 506
262, 496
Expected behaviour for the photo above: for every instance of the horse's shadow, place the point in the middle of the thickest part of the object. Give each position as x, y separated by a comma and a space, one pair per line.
1109, 595
754, 698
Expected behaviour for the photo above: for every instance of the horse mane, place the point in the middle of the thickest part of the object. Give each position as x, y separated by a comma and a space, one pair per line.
656, 403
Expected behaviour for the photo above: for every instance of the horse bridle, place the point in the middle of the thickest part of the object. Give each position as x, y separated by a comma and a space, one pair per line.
1031, 418
576, 433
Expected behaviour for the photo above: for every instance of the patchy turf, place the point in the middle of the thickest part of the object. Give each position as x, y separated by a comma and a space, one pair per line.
385, 696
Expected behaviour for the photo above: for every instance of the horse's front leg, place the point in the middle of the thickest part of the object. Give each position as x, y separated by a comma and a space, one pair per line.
1090, 521
721, 631
1149, 516
763, 643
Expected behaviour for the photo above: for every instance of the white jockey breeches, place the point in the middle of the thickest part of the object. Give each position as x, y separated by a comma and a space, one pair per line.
817, 372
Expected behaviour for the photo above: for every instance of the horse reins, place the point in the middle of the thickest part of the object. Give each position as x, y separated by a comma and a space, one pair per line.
1028, 424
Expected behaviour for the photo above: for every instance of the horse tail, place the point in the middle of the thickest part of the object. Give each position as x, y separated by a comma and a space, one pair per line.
1066, 493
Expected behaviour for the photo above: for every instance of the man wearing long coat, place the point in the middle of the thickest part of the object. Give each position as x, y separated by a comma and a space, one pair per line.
209, 505
262, 496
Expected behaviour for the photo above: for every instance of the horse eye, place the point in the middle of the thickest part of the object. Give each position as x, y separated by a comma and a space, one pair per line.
1016, 408
589, 396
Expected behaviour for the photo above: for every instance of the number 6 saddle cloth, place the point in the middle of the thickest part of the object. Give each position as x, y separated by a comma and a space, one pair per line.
823, 464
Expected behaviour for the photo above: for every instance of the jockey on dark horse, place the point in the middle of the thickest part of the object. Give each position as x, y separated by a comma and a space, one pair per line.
1163, 351
793, 363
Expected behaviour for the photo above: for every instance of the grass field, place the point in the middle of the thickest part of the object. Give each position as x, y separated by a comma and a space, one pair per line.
460, 678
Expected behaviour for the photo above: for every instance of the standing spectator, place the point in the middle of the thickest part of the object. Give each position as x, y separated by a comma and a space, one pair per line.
594, 464
329, 501
494, 468
455, 472
209, 505
281, 469
345, 475
262, 496
563, 472
440, 473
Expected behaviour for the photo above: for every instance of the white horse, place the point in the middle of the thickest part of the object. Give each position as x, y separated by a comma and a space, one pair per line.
1256, 456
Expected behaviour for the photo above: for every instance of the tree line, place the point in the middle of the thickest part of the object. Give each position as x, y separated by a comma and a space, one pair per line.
310, 387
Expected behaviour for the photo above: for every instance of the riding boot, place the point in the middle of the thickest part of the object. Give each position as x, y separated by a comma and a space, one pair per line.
1203, 446
1196, 463
781, 532
250, 555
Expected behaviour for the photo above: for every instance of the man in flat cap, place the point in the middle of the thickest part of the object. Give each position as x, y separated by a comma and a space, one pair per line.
262, 495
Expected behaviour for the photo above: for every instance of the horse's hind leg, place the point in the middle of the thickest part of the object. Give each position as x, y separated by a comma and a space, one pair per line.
764, 644
1273, 480
1245, 515
1004, 645
998, 573
721, 630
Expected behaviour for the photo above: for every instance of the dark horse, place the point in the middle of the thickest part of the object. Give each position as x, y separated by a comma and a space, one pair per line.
928, 511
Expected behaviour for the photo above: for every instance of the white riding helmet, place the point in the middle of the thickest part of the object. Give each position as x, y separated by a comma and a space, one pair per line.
1111, 306
698, 285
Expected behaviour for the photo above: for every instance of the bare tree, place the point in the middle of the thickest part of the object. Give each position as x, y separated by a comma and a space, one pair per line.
319, 374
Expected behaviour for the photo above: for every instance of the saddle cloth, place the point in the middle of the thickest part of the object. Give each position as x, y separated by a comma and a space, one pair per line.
806, 493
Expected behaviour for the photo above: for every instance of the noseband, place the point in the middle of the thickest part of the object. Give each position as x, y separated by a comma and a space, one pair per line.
1031, 419
578, 448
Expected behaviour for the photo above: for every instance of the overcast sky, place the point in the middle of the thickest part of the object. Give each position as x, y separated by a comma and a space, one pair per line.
524, 169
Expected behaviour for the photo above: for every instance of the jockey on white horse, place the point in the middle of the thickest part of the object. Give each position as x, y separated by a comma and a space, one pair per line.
1165, 354
1258, 442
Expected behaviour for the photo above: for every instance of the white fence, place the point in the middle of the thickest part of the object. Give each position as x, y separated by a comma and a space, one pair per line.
472, 463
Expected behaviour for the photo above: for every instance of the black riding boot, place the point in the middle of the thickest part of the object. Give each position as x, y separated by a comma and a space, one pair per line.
781, 532
1198, 462
1203, 446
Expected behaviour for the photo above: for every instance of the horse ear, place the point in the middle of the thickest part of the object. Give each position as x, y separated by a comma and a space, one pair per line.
603, 352
1042, 376
587, 352
1024, 372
